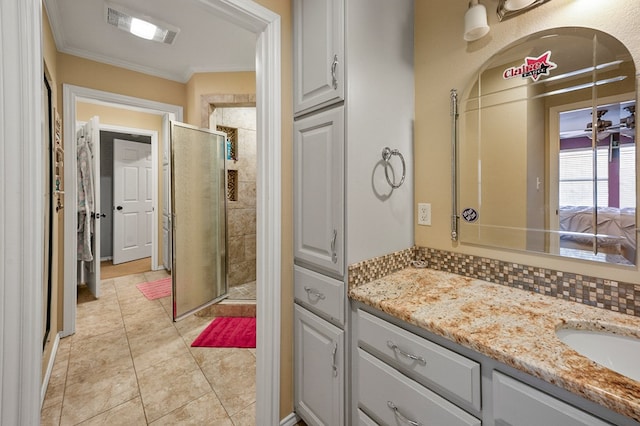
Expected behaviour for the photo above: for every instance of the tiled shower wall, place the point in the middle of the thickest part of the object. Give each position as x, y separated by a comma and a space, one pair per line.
241, 214
599, 292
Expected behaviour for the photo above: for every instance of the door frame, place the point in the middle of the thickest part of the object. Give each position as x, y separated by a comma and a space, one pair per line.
266, 25
155, 235
72, 95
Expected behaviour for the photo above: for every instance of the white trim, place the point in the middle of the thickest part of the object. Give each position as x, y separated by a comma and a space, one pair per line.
155, 234
291, 420
71, 95
21, 211
266, 25
47, 374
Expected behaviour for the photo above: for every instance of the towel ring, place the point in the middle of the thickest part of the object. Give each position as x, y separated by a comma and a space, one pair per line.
386, 156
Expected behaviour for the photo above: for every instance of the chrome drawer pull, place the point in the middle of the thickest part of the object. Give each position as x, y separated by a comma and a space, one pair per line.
406, 354
314, 292
402, 417
334, 254
334, 77
333, 360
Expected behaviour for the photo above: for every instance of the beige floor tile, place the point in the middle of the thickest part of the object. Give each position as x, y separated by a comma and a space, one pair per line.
97, 317
50, 416
206, 410
129, 279
146, 321
133, 303
99, 356
155, 347
126, 414
97, 394
246, 417
155, 275
58, 377
191, 327
233, 379
129, 364
169, 385
167, 305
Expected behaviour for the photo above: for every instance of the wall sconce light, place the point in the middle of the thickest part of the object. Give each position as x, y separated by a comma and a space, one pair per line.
475, 21
510, 8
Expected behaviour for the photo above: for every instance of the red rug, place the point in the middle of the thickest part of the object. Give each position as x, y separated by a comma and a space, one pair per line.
228, 332
156, 289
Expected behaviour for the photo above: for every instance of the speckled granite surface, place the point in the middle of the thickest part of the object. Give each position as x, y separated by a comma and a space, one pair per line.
512, 326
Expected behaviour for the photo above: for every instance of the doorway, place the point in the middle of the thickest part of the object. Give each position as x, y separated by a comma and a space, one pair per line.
266, 25
127, 199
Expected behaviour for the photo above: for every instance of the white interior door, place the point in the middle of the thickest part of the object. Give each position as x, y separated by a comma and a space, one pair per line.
88, 148
132, 200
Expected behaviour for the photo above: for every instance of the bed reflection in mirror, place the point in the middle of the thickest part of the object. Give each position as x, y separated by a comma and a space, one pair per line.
547, 158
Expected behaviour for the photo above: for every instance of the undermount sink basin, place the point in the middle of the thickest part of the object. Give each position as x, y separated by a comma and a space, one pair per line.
616, 352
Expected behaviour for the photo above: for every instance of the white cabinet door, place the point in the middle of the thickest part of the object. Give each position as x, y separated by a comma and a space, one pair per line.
517, 404
319, 191
319, 369
318, 41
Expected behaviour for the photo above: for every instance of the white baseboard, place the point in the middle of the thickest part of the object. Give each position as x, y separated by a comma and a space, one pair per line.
47, 375
291, 420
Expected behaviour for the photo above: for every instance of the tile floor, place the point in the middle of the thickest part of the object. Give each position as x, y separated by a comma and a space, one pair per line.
129, 364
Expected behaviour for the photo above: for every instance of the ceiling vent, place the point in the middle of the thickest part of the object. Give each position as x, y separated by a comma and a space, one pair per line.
140, 25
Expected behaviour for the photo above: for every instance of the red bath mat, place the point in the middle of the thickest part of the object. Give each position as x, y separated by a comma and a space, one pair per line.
228, 332
156, 289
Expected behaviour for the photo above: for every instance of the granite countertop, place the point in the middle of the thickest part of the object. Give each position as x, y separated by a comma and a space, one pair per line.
510, 325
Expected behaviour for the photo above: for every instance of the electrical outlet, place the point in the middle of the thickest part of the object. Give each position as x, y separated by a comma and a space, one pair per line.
424, 214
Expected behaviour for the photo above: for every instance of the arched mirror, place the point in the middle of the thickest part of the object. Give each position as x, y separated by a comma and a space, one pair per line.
547, 154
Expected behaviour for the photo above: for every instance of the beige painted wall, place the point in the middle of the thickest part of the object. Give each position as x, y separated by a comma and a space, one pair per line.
95, 75
443, 60
219, 83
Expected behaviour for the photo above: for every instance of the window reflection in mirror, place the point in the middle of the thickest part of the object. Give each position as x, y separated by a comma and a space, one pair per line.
547, 149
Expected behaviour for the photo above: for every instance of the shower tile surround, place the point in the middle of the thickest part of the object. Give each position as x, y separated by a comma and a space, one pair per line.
241, 212
598, 292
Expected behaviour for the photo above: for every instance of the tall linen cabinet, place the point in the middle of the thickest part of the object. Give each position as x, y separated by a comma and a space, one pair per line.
353, 96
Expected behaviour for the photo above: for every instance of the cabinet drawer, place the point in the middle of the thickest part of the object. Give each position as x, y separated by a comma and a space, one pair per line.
319, 293
393, 398
518, 404
422, 359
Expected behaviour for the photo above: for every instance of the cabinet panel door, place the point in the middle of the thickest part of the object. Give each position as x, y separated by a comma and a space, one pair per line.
318, 41
318, 188
319, 369
517, 404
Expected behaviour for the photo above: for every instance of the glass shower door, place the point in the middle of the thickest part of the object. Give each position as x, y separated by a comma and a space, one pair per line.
198, 200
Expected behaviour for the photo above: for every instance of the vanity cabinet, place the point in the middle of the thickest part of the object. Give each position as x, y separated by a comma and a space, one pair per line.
404, 374
403, 377
318, 43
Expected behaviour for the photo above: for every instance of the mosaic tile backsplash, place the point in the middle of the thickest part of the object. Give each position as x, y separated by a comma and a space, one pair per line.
602, 293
